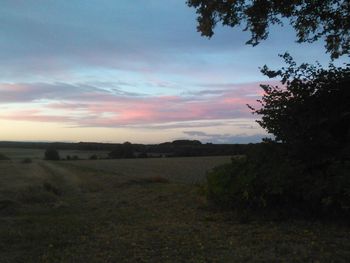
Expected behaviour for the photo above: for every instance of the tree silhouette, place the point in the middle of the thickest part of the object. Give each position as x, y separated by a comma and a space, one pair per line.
125, 150
52, 154
310, 112
307, 164
304, 110
312, 20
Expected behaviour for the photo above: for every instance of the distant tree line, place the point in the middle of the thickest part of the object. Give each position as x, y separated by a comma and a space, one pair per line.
177, 148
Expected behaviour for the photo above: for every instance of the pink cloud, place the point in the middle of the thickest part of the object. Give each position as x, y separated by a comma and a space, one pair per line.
35, 116
94, 107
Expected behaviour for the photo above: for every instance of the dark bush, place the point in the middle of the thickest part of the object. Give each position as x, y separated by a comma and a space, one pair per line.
52, 154
267, 179
125, 150
3, 157
93, 157
51, 188
27, 160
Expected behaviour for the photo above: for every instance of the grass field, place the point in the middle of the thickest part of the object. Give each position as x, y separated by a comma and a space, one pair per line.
19, 153
142, 210
184, 170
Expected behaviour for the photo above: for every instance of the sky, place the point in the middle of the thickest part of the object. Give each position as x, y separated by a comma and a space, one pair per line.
138, 71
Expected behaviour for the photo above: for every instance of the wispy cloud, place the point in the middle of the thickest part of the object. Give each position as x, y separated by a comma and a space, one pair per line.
135, 64
108, 106
35, 116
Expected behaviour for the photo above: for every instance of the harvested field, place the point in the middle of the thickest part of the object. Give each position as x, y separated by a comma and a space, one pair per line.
142, 211
20, 153
185, 169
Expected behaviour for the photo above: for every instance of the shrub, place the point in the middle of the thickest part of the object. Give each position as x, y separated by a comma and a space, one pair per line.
52, 154
3, 157
125, 150
27, 160
93, 157
51, 188
267, 179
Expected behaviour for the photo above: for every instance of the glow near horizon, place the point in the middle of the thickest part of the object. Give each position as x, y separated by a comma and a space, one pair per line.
120, 71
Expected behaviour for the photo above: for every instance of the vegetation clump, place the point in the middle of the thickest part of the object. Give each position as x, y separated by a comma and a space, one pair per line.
3, 157
306, 166
125, 150
49, 187
52, 154
310, 112
27, 160
266, 179
93, 157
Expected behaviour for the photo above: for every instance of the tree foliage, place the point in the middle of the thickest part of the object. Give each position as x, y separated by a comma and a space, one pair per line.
125, 150
306, 166
310, 111
312, 20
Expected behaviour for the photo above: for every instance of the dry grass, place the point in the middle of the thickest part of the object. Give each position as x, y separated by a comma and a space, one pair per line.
183, 170
101, 216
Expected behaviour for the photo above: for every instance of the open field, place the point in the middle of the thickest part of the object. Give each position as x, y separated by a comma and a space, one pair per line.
142, 210
20, 153
183, 169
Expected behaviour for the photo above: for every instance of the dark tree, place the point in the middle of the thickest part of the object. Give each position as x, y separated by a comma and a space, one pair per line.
52, 154
312, 20
306, 165
125, 150
310, 111
186, 142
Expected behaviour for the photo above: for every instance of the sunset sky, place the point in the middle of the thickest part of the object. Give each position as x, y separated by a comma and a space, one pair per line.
115, 71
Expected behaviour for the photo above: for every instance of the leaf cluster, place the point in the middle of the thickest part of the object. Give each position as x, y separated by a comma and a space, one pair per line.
312, 20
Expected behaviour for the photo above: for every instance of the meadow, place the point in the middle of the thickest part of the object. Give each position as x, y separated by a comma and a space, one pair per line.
142, 210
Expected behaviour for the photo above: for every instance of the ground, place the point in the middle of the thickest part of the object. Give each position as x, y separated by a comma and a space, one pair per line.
148, 210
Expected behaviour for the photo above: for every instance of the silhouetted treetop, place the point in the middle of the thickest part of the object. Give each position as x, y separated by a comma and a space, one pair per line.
311, 19
186, 142
310, 112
